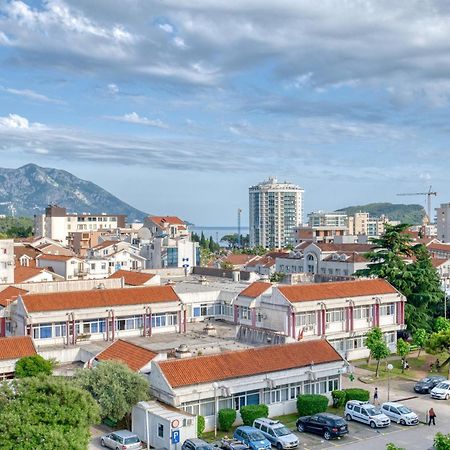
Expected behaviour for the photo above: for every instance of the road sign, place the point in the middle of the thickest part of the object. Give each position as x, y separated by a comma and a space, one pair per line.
175, 436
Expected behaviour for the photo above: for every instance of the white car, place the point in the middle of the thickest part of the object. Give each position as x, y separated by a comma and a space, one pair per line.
399, 413
441, 391
366, 413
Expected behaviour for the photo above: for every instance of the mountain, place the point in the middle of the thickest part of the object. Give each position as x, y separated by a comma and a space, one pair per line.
30, 188
412, 214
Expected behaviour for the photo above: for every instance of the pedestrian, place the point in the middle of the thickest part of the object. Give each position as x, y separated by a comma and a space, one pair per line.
431, 417
375, 396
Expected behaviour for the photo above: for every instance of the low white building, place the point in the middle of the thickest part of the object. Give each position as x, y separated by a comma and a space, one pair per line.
68, 267
273, 375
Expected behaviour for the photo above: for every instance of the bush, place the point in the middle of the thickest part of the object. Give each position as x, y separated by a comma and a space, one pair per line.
226, 418
309, 404
251, 412
338, 398
200, 425
362, 395
31, 366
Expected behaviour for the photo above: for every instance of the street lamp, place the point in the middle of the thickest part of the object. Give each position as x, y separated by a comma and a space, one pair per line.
215, 386
389, 368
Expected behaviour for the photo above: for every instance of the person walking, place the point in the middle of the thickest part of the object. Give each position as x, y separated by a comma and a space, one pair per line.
375, 396
431, 417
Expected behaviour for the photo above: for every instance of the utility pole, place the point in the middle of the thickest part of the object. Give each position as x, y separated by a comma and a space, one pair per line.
239, 211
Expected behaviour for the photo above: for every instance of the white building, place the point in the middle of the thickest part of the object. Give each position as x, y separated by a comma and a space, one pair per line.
443, 222
6, 260
57, 224
273, 375
275, 210
69, 267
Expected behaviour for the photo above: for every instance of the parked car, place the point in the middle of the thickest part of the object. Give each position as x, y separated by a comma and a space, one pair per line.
425, 385
233, 444
121, 440
441, 391
327, 425
252, 437
399, 413
276, 433
366, 413
196, 444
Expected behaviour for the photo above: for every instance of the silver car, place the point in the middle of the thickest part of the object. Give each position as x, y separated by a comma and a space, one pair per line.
121, 440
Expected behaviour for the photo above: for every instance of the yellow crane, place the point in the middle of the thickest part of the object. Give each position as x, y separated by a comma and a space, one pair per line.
428, 194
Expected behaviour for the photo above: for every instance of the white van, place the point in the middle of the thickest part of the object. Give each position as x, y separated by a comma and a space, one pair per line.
399, 413
366, 413
441, 391
278, 435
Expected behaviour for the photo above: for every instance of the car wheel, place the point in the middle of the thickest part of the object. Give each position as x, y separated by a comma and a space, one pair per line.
447, 397
373, 424
348, 417
279, 446
327, 435
300, 427
402, 422
102, 443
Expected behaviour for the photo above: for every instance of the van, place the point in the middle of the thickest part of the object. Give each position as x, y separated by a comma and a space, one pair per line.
366, 413
275, 432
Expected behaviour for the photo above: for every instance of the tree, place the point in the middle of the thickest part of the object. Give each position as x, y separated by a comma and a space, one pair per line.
439, 342
277, 277
31, 366
420, 337
45, 413
403, 349
442, 441
225, 265
231, 239
114, 386
392, 446
203, 243
441, 324
378, 348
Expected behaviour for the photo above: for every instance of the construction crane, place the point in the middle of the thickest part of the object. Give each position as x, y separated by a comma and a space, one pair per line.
428, 194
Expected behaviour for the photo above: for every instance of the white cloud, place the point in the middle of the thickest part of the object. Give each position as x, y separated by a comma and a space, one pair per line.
166, 27
113, 89
179, 42
32, 95
16, 122
137, 119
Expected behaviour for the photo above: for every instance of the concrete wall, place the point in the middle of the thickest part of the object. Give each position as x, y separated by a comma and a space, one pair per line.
71, 285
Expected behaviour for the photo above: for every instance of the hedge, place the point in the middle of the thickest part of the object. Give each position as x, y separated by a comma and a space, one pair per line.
200, 425
226, 418
309, 404
338, 398
250, 413
356, 394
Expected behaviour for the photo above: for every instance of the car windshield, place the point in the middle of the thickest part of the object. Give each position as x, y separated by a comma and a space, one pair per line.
442, 386
425, 380
404, 410
339, 423
282, 431
372, 412
256, 436
131, 440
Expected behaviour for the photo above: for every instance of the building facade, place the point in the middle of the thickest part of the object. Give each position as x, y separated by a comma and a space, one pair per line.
275, 210
6, 261
443, 222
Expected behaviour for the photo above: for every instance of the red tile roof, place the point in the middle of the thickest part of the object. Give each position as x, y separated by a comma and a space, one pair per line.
133, 278
50, 257
134, 356
23, 273
239, 260
358, 248
105, 244
16, 347
340, 289
256, 289
163, 220
439, 247
10, 294
99, 298
243, 363
437, 262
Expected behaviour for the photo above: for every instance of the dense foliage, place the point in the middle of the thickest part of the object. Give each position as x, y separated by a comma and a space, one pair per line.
30, 366
226, 418
309, 404
338, 397
377, 346
249, 413
439, 342
200, 425
114, 387
442, 441
45, 413
356, 394
418, 280
16, 227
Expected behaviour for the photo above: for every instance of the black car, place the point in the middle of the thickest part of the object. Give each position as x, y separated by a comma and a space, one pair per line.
425, 385
327, 425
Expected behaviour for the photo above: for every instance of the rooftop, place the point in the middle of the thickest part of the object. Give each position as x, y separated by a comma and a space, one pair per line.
16, 347
9, 294
256, 289
133, 278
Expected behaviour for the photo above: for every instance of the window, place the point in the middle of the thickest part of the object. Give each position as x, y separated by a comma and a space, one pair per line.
305, 319
387, 310
160, 430
361, 312
60, 329
244, 312
43, 331
164, 319
335, 315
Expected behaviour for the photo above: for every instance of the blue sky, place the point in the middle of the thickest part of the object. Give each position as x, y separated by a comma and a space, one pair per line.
177, 107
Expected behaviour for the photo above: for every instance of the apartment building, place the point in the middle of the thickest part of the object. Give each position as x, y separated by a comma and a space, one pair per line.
6, 261
443, 222
56, 223
275, 209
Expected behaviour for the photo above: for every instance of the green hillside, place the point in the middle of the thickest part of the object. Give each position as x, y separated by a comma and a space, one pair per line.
412, 214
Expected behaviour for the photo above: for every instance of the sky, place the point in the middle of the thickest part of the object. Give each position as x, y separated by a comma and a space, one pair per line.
178, 106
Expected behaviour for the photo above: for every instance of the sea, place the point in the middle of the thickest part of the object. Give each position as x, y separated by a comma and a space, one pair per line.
217, 232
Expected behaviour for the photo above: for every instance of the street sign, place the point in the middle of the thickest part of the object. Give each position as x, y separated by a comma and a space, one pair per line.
175, 436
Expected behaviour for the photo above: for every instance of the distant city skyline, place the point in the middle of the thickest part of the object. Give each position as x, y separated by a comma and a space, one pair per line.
178, 107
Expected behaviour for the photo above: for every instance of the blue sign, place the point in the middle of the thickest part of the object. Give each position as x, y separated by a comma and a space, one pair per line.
175, 436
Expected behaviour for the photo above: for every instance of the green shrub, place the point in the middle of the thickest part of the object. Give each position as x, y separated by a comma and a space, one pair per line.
362, 395
309, 404
226, 418
251, 412
200, 425
338, 398
31, 366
